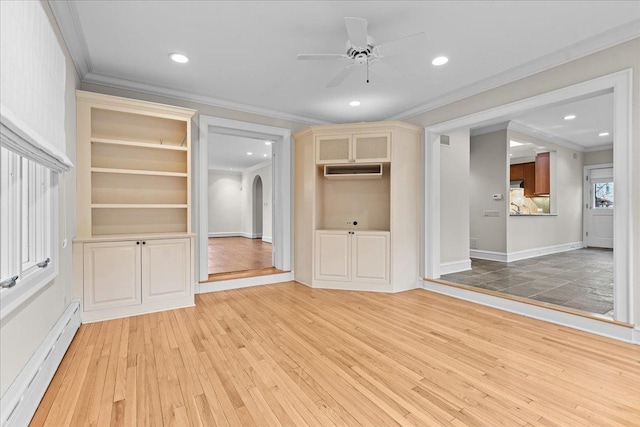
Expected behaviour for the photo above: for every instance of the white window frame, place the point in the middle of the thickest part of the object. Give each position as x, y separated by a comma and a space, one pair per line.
44, 223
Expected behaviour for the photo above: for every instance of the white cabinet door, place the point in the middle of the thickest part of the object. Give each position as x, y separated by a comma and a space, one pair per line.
372, 147
333, 149
370, 259
111, 275
333, 256
166, 268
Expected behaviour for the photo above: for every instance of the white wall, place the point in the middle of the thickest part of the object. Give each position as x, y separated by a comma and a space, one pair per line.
531, 232
22, 331
225, 203
247, 201
488, 175
598, 157
454, 198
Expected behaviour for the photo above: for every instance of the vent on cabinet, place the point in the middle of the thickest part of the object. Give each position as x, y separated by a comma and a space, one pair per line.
353, 171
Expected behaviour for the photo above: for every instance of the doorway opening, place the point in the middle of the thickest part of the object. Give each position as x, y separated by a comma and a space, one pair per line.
245, 206
530, 222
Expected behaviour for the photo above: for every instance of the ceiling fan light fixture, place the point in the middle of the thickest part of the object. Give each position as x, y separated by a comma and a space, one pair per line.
179, 58
440, 60
354, 103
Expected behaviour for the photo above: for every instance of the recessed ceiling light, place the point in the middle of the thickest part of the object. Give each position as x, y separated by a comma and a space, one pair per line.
179, 58
265, 155
440, 60
514, 143
603, 134
354, 103
267, 143
249, 153
570, 117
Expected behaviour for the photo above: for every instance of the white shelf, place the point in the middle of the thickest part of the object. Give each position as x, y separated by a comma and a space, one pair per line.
138, 172
138, 206
138, 144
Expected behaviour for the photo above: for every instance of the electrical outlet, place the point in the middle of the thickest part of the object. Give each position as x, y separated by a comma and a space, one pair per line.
473, 243
491, 213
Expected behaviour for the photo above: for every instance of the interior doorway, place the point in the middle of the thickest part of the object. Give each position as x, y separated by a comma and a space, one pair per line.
258, 243
257, 206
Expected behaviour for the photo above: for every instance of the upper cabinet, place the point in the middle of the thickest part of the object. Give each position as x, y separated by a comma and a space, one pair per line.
353, 148
542, 178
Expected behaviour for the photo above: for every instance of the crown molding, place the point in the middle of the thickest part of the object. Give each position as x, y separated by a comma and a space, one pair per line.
615, 36
537, 133
489, 129
120, 83
257, 166
66, 16
599, 148
225, 172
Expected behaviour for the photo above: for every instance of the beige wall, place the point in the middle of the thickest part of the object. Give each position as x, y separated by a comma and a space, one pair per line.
488, 176
532, 232
225, 200
454, 198
23, 330
598, 157
608, 61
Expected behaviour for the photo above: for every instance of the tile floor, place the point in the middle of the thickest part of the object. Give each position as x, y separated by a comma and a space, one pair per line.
580, 279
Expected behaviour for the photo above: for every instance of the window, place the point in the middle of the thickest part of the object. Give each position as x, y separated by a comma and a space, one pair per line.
603, 195
27, 206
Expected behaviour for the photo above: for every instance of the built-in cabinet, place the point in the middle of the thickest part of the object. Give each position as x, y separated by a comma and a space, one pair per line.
133, 252
357, 204
353, 148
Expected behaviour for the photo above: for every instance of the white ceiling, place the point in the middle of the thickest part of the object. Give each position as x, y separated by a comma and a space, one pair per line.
229, 153
243, 53
593, 116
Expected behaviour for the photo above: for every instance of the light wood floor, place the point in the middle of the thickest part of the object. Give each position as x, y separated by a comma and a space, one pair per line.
286, 354
232, 254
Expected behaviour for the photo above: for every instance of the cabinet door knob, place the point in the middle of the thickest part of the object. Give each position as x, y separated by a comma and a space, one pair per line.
137, 243
144, 243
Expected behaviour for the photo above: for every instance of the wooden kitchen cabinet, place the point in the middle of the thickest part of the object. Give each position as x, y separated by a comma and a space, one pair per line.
542, 178
516, 172
529, 177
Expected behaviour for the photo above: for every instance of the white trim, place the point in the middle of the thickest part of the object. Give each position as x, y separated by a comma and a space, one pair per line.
455, 266
636, 336
615, 36
226, 172
225, 285
66, 16
225, 234
586, 324
586, 188
621, 82
20, 401
282, 192
257, 166
545, 250
136, 310
599, 148
488, 255
537, 133
267, 239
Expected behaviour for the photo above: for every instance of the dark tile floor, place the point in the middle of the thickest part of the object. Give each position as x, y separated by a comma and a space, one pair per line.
580, 279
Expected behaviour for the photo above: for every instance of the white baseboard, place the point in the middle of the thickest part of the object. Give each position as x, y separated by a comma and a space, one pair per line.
136, 310
225, 285
488, 255
19, 403
526, 254
237, 234
586, 324
455, 266
547, 250
267, 239
225, 234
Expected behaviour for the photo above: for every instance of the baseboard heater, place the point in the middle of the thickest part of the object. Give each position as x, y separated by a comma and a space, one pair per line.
353, 171
19, 403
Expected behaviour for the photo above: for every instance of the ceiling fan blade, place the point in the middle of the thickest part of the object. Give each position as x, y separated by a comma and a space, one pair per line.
414, 44
383, 69
342, 75
357, 30
321, 56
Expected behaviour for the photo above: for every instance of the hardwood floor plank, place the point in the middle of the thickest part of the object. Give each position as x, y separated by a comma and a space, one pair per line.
286, 354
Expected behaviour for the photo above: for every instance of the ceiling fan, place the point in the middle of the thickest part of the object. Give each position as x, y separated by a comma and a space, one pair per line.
361, 49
